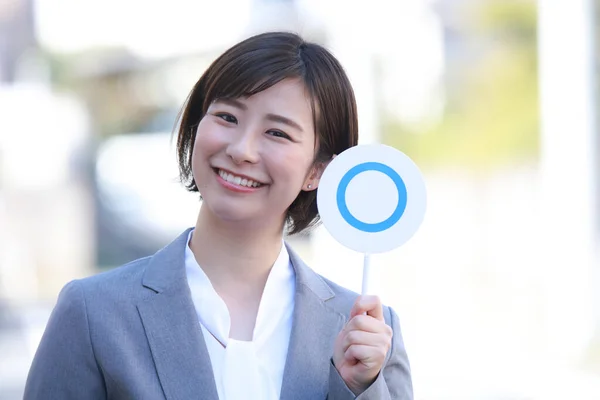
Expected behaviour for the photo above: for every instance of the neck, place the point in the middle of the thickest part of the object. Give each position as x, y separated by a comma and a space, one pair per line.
232, 254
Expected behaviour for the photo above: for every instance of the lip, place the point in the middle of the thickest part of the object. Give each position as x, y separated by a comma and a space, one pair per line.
216, 169
232, 186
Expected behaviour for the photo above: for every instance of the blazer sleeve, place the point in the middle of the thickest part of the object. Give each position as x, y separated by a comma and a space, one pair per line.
394, 382
64, 366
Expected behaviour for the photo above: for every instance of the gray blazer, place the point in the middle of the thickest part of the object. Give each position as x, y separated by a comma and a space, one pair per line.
133, 333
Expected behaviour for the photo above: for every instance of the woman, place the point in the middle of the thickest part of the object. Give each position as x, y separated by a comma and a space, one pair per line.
228, 311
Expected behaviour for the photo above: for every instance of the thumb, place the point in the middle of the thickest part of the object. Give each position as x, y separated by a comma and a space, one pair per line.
370, 305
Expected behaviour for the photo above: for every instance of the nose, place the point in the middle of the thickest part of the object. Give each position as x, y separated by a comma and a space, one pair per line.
244, 148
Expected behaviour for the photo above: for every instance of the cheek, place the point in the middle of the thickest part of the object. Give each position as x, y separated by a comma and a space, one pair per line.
203, 146
297, 166
207, 141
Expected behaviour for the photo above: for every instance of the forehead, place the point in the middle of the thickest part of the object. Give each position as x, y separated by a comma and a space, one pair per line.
286, 93
289, 86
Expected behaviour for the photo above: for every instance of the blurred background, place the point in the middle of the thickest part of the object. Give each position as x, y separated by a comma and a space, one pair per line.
496, 101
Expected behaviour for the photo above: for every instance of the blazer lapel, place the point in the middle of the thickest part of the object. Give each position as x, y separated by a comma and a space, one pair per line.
171, 325
315, 327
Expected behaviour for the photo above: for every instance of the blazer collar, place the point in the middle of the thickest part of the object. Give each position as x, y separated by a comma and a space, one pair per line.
315, 327
166, 269
178, 348
177, 344
305, 276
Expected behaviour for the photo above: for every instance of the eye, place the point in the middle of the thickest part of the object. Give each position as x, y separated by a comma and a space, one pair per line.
226, 117
280, 134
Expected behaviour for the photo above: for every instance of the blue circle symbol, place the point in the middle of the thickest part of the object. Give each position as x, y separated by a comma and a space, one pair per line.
365, 226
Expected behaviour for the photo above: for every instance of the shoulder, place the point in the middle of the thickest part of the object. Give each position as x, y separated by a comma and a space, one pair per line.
131, 281
122, 279
106, 302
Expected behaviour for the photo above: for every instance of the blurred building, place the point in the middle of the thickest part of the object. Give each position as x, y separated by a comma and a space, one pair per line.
16, 36
45, 213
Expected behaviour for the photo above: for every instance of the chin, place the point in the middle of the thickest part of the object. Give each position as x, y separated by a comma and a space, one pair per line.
227, 212
243, 216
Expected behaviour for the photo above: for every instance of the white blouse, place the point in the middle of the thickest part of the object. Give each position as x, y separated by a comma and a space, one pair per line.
246, 370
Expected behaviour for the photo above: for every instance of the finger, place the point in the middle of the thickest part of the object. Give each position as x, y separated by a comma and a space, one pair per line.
368, 324
366, 338
371, 305
365, 354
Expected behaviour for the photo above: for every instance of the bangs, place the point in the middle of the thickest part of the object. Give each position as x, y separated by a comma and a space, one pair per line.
251, 74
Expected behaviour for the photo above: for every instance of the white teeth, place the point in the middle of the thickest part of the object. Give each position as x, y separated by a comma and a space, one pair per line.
237, 180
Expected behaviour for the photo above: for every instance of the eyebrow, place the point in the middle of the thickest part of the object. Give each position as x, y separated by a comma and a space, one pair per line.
232, 102
270, 117
283, 120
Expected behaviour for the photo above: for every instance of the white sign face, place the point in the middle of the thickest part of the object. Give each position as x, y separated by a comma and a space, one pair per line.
372, 198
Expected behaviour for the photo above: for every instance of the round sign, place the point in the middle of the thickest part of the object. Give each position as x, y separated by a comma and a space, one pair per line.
372, 198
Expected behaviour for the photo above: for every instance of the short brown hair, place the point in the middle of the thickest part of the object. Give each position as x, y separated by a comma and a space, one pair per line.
258, 63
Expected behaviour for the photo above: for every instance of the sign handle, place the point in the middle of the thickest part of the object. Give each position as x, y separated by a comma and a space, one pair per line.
366, 273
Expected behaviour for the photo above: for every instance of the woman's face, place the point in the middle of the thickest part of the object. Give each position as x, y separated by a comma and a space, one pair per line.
252, 156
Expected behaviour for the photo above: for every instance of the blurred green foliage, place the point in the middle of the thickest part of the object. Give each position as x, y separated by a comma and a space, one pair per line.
491, 114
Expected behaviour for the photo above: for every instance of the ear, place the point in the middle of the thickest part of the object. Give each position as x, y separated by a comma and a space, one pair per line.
314, 176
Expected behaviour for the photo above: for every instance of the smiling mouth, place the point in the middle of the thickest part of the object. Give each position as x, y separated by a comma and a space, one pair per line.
237, 180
